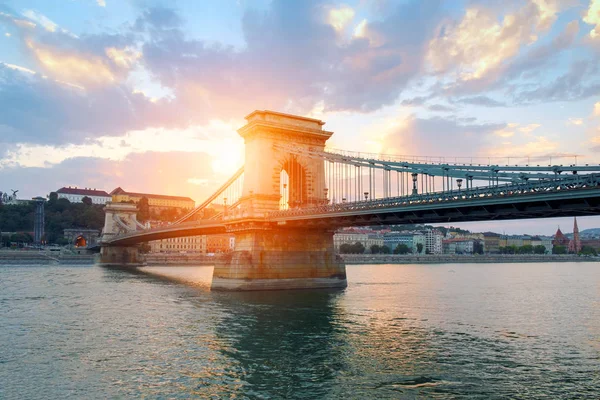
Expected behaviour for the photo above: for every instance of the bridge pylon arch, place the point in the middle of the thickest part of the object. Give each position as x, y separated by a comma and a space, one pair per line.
268, 256
265, 161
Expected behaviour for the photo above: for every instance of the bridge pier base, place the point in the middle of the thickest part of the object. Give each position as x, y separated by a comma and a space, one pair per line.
281, 259
120, 256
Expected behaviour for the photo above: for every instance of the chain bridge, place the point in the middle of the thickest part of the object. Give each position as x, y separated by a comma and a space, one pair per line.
291, 195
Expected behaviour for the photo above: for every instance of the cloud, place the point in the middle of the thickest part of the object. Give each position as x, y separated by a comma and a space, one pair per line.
170, 174
579, 82
480, 101
39, 110
439, 136
41, 19
576, 121
597, 109
477, 47
592, 17
101, 3
293, 60
340, 17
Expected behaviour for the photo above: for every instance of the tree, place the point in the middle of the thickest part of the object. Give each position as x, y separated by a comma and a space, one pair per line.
526, 249
145, 248
385, 250
143, 213
419, 248
402, 249
358, 248
52, 197
87, 201
477, 247
559, 250
588, 251
375, 249
345, 248
539, 249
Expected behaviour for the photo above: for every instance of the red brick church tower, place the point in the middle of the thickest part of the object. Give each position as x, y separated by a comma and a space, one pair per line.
575, 243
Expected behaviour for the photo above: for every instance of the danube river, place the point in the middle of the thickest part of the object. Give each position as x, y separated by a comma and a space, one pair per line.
398, 331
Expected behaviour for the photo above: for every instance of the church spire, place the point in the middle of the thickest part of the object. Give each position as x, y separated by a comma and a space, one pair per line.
575, 243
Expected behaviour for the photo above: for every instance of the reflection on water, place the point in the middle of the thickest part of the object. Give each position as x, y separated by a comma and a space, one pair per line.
519, 331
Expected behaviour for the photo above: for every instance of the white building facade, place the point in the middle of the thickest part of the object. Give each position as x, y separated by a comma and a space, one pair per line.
76, 195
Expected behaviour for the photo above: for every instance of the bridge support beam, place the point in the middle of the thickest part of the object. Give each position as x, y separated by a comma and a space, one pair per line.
280, 259
120, 256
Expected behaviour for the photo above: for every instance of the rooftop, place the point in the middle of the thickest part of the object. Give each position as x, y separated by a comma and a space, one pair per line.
119, 190
82, 191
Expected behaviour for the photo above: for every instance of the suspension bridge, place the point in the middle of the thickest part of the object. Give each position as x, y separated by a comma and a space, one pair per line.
292, 194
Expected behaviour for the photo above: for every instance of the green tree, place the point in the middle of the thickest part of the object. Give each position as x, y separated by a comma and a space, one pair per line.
539, 249
385, 249
52, 197
62, 241
345, 248
145, 248
420, 248
143, 213
588, 251
358, 248
402, 249
375, 249
559, 250
526, 249
87, 201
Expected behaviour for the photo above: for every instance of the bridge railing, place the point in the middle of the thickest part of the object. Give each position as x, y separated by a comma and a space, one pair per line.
569, 183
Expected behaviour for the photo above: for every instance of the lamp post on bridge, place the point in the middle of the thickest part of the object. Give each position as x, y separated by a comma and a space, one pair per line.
366, 196
325, 192
459, 184
414, 180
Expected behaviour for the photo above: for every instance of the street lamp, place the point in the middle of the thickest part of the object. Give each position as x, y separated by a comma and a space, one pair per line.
414, 180
325, 192
366, 196
285, 200
225, 206
459, 183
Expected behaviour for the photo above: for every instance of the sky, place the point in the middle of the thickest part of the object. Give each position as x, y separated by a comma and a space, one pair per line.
148, 94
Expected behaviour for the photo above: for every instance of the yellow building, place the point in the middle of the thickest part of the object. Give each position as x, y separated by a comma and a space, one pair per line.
155, 201
192, 244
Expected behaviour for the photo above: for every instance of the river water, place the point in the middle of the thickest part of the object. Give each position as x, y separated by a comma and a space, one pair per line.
398, 331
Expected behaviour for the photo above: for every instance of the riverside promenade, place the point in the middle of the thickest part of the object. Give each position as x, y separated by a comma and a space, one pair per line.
462, 258
24, 257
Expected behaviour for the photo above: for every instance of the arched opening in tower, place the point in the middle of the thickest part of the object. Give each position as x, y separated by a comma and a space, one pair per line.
296, 186
284, 189
80, 241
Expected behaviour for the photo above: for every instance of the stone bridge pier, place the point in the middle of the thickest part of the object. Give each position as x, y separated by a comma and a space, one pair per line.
266, 255
120, 218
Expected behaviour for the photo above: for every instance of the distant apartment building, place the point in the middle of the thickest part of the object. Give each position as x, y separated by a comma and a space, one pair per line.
458, 246
433, 241
220, 243
409, 239
156, 202
191, 244
545, 241
76, 195
202, 244
491, 242
367, 238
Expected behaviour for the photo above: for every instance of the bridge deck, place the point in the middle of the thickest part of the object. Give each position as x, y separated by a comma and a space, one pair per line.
578, 196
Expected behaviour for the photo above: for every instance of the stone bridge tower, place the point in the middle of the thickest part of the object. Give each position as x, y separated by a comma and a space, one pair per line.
265, 161
119, 218
266, 255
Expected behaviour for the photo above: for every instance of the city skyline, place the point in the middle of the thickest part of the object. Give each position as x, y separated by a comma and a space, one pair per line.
148, 95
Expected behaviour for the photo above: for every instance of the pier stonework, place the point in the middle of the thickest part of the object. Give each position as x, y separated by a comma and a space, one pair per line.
268, 256
119, 218
281, 259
